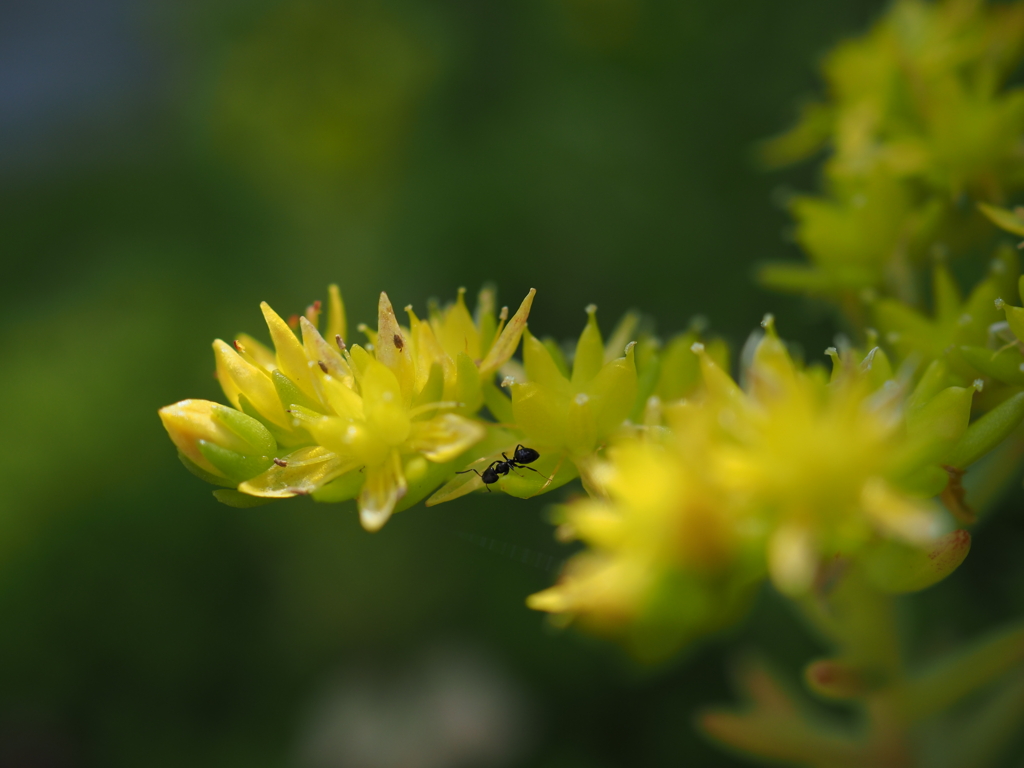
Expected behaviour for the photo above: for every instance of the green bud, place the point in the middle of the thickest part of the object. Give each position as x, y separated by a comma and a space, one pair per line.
1014, 316
936, 427
613, 392
280, 435
540, 365
988, 431
935, 379
1003, 365
555, 350
485, 319
256, 436
193, 424
234, 466
680, 369
589, 351
898, 568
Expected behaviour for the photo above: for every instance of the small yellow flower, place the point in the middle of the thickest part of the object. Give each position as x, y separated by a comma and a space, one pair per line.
347, 421
775, 478
574, 414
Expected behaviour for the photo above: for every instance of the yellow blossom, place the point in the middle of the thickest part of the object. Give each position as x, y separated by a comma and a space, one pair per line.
349, 421
776, 478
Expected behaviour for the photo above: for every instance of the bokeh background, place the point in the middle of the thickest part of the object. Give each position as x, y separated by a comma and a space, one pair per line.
166, 165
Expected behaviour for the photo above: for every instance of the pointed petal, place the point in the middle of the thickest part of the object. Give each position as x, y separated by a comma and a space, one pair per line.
260, 353
428, 352
384, 486
589, 351
392, 350
239, 377
291, 358
483, 316
541, 367
318, 351
336, 324
457, 332
506, 343
386, 413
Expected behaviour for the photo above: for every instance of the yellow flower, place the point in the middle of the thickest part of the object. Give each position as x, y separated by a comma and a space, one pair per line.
665, 559
351, 422
776, 478
574, 413
916, 118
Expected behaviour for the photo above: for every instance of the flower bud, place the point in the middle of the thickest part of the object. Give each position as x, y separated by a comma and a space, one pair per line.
988, 431
897, 568
219, 440
1003, 365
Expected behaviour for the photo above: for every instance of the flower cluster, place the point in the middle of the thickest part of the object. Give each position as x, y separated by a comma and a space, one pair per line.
785, 476
916, 118
381, 423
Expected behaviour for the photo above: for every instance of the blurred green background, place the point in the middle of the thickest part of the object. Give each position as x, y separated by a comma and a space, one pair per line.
165, 166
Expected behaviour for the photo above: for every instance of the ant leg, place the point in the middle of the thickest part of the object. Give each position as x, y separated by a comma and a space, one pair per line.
521, 466
467, 471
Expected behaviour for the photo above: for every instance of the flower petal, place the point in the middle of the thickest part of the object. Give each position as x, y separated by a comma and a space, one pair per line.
392, 350
384, 486
442, 438
291, 358
507, 342
237, 377
306, 470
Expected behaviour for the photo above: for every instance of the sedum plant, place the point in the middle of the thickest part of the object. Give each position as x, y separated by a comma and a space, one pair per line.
840, 483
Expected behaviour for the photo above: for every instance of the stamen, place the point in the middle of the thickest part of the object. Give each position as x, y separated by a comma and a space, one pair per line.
281, 462
323, 365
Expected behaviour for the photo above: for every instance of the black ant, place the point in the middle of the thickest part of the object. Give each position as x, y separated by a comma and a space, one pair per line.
520, 457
